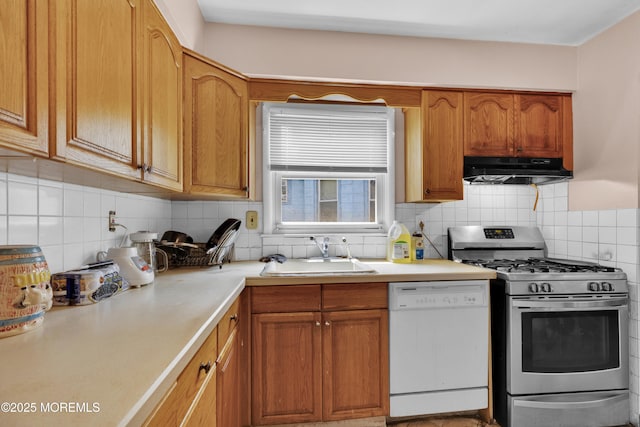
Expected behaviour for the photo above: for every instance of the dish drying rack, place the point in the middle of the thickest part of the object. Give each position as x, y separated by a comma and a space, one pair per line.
197, 254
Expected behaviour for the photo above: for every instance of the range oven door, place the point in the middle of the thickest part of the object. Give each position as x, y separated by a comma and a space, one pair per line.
567, 344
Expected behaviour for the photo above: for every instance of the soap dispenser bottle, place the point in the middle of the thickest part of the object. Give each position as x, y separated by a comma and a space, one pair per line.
398, 243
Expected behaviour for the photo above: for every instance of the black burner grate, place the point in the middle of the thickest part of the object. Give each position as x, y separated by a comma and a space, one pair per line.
540, 265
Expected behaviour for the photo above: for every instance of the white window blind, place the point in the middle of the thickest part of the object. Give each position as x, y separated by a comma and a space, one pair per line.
340, 139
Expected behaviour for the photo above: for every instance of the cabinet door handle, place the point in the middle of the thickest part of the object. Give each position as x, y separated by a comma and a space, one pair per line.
205, 367
317, 323
327, 323
144, 168
427, 191
234, 317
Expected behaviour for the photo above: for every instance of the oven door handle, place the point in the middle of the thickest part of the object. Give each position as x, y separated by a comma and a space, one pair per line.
559, 403
554, 305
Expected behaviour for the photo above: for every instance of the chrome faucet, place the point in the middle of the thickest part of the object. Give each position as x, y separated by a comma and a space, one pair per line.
323, 246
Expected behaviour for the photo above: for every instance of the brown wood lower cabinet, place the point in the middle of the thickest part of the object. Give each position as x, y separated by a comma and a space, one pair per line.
228, 383
355, 361
287, 368
210, 390
187, 401
203, 410
323, 363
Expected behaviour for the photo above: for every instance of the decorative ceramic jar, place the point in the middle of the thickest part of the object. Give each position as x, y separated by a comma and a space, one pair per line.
25, 289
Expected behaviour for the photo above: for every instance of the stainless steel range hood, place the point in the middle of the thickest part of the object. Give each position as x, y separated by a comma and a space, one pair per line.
514, 170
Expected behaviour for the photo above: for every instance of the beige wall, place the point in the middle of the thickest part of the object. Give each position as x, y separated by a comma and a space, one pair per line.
607, 120
604, 73
259, 51
185, 20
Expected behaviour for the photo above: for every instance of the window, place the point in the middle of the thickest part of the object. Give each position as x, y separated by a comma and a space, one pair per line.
327, 168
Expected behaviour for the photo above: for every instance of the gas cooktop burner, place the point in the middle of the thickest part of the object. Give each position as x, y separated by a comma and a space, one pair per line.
521, 264
540, 265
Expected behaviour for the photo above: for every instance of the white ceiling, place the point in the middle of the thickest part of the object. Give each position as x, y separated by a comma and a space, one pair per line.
559, 22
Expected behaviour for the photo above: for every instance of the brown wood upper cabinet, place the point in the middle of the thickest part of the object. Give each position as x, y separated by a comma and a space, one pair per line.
433, 147
118, 90
97, 85
24, 98
515, 125
161, 101
216, 124
452, 124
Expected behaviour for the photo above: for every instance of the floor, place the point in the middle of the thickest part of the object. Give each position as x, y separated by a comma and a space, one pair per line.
451, 421
442, 422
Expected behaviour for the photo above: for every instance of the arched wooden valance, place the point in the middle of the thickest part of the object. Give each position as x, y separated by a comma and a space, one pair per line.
283, 90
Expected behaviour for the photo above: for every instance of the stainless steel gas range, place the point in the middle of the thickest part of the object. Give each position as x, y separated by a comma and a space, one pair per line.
560, 342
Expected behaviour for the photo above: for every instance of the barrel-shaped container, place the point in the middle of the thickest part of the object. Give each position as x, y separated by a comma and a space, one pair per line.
25, 289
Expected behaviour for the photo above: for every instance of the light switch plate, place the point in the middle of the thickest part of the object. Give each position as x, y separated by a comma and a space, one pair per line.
252, 220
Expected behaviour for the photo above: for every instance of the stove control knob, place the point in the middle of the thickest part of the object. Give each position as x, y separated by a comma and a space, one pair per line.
533, 288
546, 287
594, 286
606, 286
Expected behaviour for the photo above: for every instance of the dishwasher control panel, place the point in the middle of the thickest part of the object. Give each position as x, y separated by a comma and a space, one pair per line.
416, 295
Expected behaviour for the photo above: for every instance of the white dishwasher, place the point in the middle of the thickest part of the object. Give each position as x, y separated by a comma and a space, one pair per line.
438, 346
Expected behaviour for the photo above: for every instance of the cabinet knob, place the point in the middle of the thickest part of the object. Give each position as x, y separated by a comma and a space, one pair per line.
519, 149
234, 317
327, 323
427, 191
317, 323
205, 367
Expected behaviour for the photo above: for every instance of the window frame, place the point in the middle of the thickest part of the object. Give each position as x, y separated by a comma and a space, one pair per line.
272, 185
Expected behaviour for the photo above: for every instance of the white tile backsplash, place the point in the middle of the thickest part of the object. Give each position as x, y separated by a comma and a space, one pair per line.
22, 198
69, 222
609, 237
50, 200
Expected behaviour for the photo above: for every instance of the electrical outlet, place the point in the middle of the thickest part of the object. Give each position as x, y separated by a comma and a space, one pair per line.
112, 221
252, 220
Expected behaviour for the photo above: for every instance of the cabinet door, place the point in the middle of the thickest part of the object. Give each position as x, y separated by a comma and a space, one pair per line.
24, 97
216, 130
97, 84
228, 402
539, 126
488, 122
356, 364
178, 403
203, 409
442, 139
287, 368
162, 101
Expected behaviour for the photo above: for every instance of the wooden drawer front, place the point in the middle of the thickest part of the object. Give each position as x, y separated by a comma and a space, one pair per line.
174, 407
285, 299
228, 323
354, 296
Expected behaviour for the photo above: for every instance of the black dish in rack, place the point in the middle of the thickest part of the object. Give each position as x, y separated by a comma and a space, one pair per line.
216, 251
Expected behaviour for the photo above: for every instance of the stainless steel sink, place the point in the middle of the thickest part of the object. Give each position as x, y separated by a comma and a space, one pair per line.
317, 267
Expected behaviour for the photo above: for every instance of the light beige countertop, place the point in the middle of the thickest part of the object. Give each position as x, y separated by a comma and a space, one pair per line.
111, 363
425, 270
121, 354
